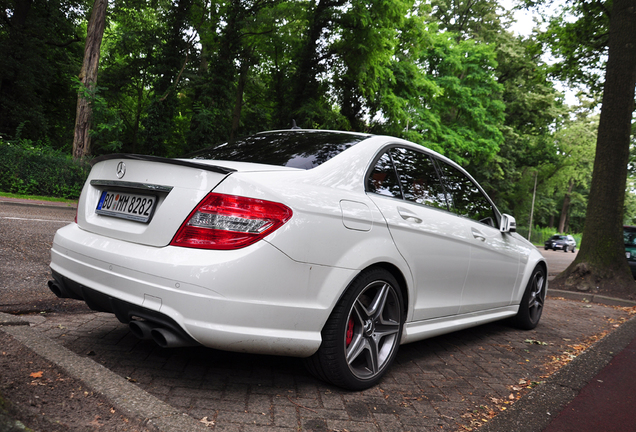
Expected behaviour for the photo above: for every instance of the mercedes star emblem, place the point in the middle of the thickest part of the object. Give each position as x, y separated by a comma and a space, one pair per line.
121, 169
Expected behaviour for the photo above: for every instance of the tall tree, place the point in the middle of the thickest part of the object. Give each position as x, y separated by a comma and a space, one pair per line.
161, 133
128, 54
601, 262
40, 50
88, 78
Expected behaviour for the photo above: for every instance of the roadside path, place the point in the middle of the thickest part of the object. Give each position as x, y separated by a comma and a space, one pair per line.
450, 382
461, 381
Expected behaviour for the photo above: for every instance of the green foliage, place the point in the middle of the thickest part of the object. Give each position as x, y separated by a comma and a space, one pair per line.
179, 75
29, 168
40, 49
578, 38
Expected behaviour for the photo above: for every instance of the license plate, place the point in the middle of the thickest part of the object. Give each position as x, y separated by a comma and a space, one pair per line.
129, 206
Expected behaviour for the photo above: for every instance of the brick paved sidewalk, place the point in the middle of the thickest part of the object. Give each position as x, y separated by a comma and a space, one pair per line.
443, 383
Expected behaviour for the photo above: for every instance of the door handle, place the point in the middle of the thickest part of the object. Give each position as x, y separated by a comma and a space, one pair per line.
408, 215
478, 235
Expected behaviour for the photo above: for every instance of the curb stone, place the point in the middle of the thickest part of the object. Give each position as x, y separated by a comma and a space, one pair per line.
124, 395
37, 203
592, 298
11, 320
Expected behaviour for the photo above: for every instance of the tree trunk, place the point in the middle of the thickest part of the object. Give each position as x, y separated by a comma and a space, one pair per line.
601, 264
88, 77
565, 208
238, 102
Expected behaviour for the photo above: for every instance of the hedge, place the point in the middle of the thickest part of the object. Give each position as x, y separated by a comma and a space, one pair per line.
30, 169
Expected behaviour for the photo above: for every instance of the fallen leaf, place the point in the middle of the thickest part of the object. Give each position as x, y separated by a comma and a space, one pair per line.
206, 422
37, 374
96, 422
535, 342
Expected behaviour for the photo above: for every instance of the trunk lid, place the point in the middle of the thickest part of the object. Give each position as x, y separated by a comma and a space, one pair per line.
144, 199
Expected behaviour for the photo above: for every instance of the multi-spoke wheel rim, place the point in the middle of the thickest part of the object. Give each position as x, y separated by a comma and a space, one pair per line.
372, 330
537, 297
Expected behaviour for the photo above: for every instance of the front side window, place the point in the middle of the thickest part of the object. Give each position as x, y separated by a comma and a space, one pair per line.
418, 177
466, 198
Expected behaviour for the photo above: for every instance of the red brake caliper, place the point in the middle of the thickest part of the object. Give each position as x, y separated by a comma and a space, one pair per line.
349, 331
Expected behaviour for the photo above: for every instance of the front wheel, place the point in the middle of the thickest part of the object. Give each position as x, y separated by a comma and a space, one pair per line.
574, 249
361, 337
565, 249
531, 306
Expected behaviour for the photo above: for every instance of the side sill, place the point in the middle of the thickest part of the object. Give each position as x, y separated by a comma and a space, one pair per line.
419, 330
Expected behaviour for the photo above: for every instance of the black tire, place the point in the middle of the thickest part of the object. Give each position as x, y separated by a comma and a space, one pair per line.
546, 248
362, 335
531, 306
565, 249
574, 249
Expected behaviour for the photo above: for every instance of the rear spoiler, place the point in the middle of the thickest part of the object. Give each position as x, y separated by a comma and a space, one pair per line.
180, 162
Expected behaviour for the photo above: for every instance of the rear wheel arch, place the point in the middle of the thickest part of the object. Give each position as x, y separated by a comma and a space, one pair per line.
399, 277
394, 271
362, 334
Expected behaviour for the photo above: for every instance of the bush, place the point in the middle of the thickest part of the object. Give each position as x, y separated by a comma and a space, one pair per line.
540, 235
28, 168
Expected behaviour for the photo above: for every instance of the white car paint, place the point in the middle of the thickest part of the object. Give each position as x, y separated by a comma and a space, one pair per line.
275, 296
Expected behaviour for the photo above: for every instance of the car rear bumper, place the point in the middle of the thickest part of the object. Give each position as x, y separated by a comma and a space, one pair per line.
229, 300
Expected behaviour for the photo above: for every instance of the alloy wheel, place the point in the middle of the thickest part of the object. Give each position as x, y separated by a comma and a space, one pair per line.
372, 330
537, 296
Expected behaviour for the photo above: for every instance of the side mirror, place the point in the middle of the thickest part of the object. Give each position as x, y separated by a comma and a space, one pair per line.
508, 224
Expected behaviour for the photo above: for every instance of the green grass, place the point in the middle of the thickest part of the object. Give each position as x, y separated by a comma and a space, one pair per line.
37, 198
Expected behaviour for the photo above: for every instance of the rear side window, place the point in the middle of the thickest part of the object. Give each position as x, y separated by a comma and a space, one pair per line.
407, 174
293, 148
383, 179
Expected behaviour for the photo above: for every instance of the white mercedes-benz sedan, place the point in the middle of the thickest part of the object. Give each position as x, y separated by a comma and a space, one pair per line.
332, 246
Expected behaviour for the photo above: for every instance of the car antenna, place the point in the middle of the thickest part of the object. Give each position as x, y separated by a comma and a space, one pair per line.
294, 126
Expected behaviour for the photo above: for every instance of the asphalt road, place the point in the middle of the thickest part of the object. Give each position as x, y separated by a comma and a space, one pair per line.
557, 261
26, 235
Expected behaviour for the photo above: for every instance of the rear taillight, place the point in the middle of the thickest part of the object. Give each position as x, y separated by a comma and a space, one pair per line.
230, 222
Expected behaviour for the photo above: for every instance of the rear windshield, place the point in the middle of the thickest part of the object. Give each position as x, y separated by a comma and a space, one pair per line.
294, 148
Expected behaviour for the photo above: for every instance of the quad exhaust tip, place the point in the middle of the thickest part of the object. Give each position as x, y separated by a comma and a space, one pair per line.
163, 337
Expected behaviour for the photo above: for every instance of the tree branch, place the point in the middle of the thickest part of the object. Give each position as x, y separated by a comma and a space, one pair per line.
63, 44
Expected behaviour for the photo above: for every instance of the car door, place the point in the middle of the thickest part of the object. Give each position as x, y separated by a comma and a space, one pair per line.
494, 256
405, 186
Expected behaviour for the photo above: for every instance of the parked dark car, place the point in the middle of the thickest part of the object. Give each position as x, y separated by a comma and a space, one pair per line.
558, 241
629, 238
